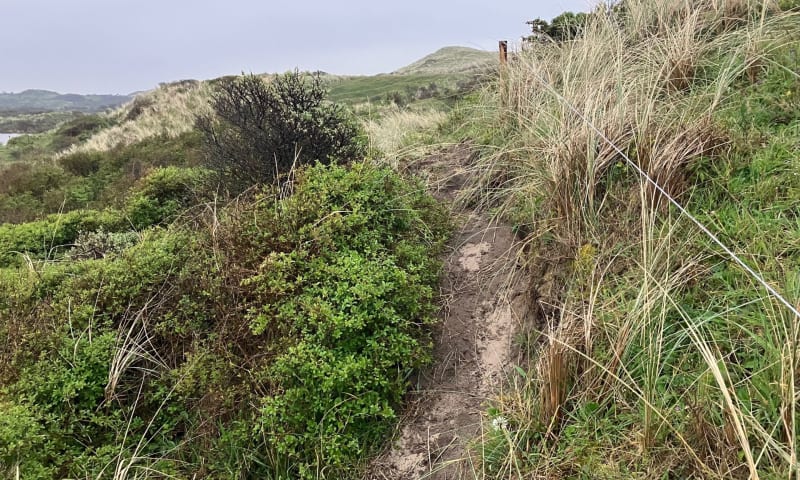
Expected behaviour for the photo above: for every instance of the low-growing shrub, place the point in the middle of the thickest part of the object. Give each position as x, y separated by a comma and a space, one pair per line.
348, 279
163, 194
78, 130
55, 233
275, 345
82, 164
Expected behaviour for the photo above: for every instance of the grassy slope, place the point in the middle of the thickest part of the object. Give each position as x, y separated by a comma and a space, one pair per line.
122, 141
353, 90
448, 68
656, 356
450, 60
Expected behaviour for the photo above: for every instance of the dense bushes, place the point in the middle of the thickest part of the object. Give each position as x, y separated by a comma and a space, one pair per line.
78, 130
52, 235
158, 198
81, 180
275, 344
261, 130
164, 194
353, 289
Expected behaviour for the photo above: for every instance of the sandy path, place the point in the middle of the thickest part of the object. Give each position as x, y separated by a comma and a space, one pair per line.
482, 308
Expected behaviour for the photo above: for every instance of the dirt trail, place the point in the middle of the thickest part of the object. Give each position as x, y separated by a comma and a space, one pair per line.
479, 319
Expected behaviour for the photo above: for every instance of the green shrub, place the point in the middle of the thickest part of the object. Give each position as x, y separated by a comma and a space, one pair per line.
63, 420
78, 130
348, 277
33, 178
163, 194
21, 440
54, 234
99, 244
261, 130
82, 164
278, 347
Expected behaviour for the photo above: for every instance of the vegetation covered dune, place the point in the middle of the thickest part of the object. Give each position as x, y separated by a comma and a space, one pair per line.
206, 285
169, 110
655, 355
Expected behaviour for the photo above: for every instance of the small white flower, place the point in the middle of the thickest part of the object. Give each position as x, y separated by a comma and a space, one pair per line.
500, 423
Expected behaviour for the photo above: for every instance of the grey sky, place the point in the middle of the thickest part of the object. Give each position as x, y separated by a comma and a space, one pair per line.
120, 46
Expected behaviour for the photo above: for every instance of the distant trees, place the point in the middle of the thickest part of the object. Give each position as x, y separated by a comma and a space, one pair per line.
566, 26
259, 130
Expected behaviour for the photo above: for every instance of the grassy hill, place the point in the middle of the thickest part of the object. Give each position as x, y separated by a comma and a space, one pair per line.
429, 84
450, 60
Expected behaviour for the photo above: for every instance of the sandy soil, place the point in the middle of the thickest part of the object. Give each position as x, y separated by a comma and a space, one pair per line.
484, 302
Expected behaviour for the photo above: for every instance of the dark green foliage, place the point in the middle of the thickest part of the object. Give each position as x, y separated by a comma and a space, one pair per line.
351, 284
53, 235
84, 180
566, 26
158, 198
82, 164
21, 441
64, 396
261, 130
35, 179
59, 373
163, 194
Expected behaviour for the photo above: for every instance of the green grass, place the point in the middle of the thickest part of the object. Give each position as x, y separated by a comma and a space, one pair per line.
27, 148
380, 88
450, 60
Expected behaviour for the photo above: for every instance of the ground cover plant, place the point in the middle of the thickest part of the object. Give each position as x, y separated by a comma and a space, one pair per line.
275, 342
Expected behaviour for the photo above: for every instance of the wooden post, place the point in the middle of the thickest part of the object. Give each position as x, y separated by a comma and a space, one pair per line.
503, 71
503, 52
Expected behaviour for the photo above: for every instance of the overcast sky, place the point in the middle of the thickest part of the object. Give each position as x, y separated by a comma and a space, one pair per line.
121, 46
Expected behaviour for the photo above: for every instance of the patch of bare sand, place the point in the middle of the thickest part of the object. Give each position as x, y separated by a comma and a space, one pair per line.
484, 302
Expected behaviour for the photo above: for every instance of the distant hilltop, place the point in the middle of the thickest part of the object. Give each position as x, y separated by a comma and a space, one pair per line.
47, 101
449, 60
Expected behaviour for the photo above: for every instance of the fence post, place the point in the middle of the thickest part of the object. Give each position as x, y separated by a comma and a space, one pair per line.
503, 72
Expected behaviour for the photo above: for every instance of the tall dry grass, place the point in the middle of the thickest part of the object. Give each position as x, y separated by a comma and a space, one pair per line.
626, 377
642, 78
395, 132
169, 110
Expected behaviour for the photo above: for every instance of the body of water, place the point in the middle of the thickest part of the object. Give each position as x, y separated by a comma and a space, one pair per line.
4, 137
